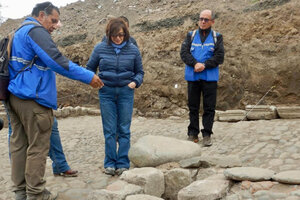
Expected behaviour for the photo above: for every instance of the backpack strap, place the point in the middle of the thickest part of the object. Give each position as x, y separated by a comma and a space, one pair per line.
215, 37
213, 32
28, 65
11, 37
193, 35
12, 34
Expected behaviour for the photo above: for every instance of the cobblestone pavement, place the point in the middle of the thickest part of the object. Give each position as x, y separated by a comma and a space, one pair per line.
271, 144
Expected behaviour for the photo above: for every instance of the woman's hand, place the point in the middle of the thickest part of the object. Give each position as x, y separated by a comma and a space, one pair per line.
132, 85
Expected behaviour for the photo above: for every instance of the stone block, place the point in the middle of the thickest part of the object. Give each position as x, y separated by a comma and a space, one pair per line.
288, 112
261, 112
232, 115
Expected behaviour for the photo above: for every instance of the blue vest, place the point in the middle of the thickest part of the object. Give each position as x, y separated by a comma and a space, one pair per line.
202, 52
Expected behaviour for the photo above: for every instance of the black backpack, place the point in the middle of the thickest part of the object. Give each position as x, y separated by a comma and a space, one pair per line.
5, 49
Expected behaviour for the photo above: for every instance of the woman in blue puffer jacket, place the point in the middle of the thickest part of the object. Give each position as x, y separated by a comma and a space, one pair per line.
121, 70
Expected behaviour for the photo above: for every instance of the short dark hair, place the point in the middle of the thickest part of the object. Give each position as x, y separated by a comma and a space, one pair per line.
47, 7
125, 19
114, 26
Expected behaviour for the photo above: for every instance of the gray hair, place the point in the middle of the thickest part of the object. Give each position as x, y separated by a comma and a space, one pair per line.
213, 15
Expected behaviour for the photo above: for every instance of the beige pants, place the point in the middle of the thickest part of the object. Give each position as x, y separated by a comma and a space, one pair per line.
29, 144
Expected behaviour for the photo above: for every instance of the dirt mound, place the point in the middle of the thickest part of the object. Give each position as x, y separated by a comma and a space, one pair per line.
261, 41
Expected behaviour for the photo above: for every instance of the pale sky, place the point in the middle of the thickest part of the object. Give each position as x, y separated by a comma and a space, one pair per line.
16, 9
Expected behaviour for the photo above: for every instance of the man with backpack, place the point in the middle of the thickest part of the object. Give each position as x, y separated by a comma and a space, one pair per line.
33, 96
202, 51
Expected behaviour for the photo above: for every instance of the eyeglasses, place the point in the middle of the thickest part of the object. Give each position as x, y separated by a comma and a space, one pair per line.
118, 35
204, 19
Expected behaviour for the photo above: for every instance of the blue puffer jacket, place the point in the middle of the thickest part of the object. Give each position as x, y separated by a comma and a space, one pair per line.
38, 82
117, 70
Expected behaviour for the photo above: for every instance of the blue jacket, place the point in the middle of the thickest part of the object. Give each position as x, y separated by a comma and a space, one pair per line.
38, 82
117, 70
202, 52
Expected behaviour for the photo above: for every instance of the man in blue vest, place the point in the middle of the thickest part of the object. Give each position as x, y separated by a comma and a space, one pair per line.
33, 96
202, 51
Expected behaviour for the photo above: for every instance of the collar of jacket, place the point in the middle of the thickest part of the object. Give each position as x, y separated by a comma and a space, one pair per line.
206, 31
32, 19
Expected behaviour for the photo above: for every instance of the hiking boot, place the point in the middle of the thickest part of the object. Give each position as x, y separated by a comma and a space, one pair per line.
110, 171
48, 196
120, 171
193, 138
207, 141
20, 195
45, 195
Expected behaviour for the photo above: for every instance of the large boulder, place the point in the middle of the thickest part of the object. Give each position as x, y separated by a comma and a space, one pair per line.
151, 151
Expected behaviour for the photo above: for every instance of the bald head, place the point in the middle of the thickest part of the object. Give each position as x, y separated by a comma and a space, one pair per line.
209, 12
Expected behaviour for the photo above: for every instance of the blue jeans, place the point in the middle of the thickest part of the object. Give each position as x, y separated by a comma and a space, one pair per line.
56, 153
116, 105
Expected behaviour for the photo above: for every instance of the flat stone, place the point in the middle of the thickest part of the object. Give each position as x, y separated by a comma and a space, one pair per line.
75, 194
151, 151
94, 112
288, 112
261, 112
204, 190
232, 115
289, 177
248, 173
203, 161
119, 190
142, 197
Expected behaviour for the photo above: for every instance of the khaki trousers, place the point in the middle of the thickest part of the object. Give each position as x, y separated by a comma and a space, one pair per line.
29, 144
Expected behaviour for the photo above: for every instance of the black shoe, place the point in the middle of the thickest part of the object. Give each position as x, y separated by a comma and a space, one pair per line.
193, 138
207, 141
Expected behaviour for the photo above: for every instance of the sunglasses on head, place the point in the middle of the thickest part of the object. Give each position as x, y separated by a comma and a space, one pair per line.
50, 4
204, 19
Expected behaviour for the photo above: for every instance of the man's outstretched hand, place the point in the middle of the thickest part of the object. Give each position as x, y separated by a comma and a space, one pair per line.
96, 82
